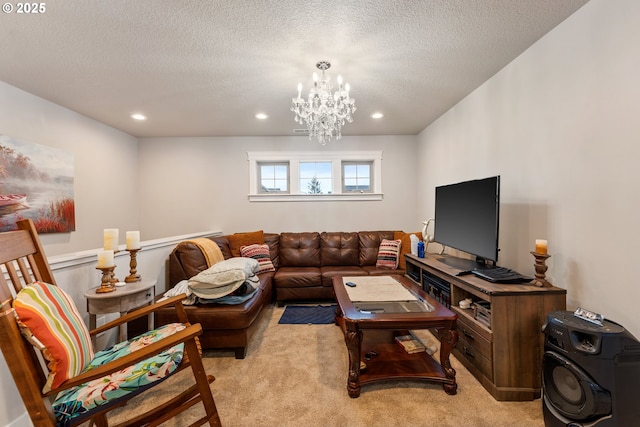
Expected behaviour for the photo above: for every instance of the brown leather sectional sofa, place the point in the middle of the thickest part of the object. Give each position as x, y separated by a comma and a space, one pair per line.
305, 265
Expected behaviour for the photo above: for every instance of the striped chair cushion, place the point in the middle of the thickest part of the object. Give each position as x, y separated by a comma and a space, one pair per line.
261, 254
50, 320
389, 254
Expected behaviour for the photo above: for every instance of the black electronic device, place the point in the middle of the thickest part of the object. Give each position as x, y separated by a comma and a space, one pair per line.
467, 218
351, 284
500, 275
437, 287
590, 373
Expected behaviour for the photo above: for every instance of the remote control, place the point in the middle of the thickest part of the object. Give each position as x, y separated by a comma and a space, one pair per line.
351, 284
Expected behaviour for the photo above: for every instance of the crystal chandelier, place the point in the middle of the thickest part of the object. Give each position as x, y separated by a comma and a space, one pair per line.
324, 113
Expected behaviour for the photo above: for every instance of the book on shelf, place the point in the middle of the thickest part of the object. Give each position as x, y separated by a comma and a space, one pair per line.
410, 343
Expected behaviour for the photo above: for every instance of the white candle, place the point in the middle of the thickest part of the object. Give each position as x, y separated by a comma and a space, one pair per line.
541, 246
111, 239
133, 240
105, 259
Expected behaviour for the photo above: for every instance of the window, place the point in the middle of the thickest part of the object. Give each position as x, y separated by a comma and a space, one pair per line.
315, 176
273, 177
356, 177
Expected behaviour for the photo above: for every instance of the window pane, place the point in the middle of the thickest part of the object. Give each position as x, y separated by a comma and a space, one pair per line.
315, 177
274, 178
281, 172
356, 177
363, 171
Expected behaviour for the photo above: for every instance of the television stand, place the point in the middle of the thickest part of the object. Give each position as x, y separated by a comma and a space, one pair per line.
500, 339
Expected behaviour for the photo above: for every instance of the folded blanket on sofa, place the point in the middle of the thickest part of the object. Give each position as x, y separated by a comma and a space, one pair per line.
223, 278
210, 250
182, 287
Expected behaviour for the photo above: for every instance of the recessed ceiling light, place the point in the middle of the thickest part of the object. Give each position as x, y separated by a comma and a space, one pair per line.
261, 116
138, 116
377, 115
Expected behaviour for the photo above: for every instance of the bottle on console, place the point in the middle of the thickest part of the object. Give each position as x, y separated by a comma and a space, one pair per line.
420, 249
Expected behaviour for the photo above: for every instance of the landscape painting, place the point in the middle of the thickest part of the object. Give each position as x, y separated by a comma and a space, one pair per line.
36, 181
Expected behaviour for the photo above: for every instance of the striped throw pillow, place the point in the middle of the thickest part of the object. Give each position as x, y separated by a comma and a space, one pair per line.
261, 254
49, 319
389, 254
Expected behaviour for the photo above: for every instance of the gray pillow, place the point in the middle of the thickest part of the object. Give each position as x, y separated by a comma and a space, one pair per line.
223, 278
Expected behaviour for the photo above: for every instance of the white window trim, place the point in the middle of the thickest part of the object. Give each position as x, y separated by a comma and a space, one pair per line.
295, 157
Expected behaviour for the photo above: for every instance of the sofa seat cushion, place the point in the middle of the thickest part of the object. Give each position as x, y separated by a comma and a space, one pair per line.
298, 277
329, 272
373, 271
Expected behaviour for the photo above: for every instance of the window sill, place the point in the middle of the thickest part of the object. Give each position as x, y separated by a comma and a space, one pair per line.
315, 197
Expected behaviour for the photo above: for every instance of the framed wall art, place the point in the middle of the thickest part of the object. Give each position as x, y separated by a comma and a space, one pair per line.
36, 181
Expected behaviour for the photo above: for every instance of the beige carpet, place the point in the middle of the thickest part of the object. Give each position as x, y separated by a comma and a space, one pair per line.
296, 375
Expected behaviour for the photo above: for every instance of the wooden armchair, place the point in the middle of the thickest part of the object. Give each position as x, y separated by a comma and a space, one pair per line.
55, 395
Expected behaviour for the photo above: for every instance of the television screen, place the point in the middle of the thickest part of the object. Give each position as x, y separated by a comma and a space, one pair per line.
467, 217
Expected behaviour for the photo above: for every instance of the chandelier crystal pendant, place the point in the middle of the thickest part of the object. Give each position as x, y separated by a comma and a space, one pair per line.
324, 112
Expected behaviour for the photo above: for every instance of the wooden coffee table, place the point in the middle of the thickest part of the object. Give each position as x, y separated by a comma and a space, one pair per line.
370, 329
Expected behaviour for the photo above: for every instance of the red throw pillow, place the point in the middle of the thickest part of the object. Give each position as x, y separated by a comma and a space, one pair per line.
388, 254
261, 254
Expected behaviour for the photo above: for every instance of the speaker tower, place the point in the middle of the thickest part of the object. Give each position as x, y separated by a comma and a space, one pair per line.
590, 373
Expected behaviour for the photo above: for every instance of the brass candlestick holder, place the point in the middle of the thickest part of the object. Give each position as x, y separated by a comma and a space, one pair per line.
108, 281
133, 265
541, 268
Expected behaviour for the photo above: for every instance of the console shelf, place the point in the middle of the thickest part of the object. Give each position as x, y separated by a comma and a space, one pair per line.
500, 338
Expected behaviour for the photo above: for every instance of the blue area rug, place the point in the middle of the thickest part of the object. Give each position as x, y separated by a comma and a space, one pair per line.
308, 314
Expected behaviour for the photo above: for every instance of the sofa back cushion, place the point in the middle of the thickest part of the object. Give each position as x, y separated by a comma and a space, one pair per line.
273, 240
223, 244
369, 242
338, 248
299, 249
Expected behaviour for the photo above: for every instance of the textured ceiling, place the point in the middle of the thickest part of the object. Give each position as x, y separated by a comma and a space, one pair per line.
205, 68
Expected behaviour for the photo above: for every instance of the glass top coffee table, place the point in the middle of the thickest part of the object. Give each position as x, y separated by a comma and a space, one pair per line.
376, 310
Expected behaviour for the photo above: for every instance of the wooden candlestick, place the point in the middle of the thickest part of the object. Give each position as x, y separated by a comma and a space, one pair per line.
107, 283
133, 264
541, 268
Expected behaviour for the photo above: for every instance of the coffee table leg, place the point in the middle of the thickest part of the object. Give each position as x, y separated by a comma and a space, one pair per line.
448, 340
353, 339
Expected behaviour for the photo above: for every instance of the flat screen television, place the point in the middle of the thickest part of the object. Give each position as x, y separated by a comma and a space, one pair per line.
467, 218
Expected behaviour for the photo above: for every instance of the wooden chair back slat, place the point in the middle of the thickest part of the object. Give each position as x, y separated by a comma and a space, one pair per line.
35, 272
28, 275
37, 259
6, 297
14, 277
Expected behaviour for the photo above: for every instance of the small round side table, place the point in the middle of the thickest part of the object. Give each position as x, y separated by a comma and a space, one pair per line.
122, 300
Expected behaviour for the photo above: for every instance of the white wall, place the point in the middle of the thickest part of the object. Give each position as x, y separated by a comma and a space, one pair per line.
193, 184
560, 124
